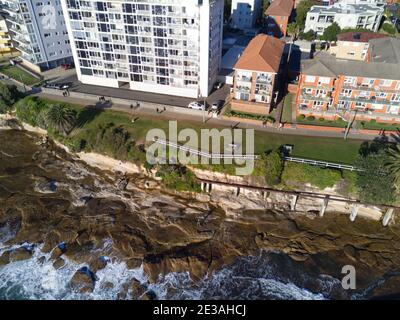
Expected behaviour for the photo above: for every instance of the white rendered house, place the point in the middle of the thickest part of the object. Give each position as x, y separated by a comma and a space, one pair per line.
170, 47
376, 2
345, 15
37, 29
245, 13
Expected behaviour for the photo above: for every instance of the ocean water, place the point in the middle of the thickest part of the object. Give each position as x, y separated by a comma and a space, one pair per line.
38, 280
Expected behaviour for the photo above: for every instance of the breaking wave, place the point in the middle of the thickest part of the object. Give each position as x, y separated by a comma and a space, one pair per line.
37, 278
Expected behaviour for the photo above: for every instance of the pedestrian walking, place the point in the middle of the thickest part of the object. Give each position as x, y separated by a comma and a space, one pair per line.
131, 106
158, 111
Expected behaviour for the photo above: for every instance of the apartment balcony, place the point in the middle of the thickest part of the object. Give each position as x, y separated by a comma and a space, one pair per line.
327, 87
305, 96
24, 49
358, 87
242, 89
264, 80
369, 100
243, 79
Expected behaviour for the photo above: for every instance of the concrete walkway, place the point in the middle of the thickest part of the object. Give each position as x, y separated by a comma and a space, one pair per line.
185, 114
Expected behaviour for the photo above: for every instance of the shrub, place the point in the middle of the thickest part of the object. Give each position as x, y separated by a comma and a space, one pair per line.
32, 111
76, 145
270, 167
310, 118
372, 121
179, 178
302, 173
389, 28
321, 119
233, 113
301, 117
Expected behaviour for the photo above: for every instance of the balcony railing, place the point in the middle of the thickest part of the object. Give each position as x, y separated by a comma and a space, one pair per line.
370, 100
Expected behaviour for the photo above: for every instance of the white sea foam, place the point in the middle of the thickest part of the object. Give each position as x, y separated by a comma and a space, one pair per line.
35, 279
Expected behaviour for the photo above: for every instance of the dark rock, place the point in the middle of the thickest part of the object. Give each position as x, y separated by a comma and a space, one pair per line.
58, 251
99, 263
59, 263
5, 258
83, 280
107, 285
149, 295
19, 254
135, 290
134, 263
42, 260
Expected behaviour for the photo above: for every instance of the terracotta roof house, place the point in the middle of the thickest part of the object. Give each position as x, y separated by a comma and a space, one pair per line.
278, 16
354, 45
257, 75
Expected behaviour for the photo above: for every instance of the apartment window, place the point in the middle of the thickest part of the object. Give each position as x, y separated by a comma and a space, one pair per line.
323, 80
347, 92
385, 83
381, 95
318, 103
395, 97
367, 82
310, 79
349, 80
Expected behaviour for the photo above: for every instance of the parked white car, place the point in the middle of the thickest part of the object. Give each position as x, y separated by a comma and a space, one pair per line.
196, 105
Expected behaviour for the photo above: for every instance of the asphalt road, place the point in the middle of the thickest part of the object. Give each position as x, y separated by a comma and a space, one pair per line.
134, 95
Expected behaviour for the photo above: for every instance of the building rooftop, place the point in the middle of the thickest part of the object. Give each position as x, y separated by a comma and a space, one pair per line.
385, 50
280, 8
359, 36
345, 8
231, 57
264, 53
331, 67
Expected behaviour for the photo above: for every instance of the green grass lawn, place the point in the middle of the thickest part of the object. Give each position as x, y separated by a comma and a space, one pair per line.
287, 109
377, 125
322, 122
19, 74
327, 149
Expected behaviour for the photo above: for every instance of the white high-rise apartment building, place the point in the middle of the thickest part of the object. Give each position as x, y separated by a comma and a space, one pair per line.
364, 16
167, 46
37, 29
245, 13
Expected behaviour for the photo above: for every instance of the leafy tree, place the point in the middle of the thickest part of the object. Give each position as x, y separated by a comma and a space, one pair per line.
270, 167
301, 12
389, 28
293, 29
265, 5
393, 164
61, 118
375, 181
32, 111
309, 35
8, 94
227, 9
330, 33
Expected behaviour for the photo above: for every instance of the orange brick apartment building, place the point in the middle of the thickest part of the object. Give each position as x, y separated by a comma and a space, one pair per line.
278, 15
257, 75
330, 88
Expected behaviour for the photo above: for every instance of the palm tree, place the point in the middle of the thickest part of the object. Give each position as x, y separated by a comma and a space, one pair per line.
394, 164
61, 118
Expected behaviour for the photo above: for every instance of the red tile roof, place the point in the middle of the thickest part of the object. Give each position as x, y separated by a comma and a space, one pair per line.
280, 8
264, 53
359, 36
